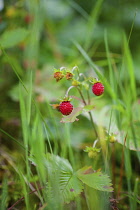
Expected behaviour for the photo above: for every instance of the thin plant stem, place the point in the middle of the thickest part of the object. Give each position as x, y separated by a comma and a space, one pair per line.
77, 70
66, 95
90, 115
88, 97
82, 96
93, 125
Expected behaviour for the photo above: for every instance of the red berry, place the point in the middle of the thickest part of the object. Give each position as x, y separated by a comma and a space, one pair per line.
98, 88
66, 107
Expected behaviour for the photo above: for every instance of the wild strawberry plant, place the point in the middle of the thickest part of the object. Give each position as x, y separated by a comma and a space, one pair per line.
87, 175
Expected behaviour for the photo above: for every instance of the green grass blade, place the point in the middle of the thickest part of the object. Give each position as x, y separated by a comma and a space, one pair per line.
111, 77
129, 64
137, 182
11, 137
10, 61
4, 194
128, 170
78, 8
29, 100
91, 23
23, 112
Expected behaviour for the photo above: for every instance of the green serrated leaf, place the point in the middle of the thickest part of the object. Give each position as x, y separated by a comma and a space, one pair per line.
63, 181
70, 186
13, 37
55, 162
95, 179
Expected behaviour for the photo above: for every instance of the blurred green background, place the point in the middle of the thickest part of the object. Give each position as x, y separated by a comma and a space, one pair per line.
39, 36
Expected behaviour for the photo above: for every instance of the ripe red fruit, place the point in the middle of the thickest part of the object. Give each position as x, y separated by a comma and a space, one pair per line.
65, 107
98, 88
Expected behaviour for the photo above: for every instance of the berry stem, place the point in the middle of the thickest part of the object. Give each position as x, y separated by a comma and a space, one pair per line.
62, 68
84, 101
95, 142
66, 95
81, 75
77, 69
88, 97
93, 125
82, 96
90, 115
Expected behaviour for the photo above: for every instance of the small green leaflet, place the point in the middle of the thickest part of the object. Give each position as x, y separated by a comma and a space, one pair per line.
73, 116
70, 186
95, 179
76, 112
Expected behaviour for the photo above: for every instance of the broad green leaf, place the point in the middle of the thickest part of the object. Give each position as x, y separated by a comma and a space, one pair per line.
95, 179
13, 37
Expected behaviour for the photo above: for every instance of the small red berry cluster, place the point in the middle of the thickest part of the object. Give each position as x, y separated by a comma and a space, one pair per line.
65, 107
